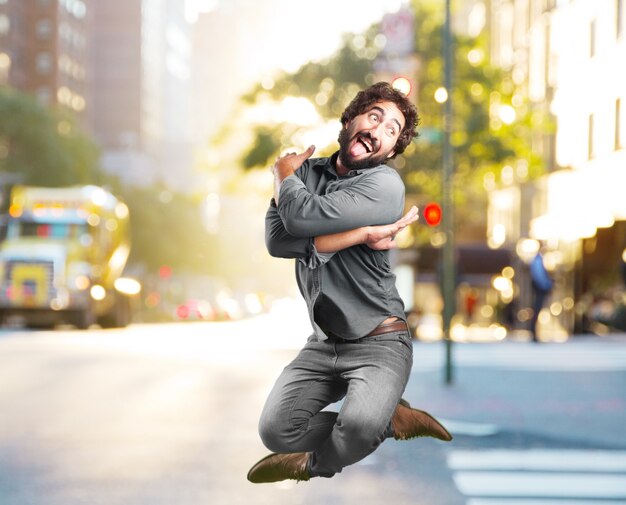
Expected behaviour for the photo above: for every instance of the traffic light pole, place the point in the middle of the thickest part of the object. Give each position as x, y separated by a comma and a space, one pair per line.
448, 270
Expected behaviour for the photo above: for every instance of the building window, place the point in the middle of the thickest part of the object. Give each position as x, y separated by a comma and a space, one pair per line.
5, 24
619, 15
44, 29
618, 124
43, 63
592, 39
590, 138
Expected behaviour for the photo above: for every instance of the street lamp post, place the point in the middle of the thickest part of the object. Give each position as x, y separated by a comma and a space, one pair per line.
448, 261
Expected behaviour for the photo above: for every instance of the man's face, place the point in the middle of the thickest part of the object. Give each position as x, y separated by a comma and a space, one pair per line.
369, 139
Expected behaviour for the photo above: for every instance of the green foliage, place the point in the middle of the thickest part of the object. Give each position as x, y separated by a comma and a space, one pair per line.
266, 144
44, 146
483, 143
328, 84
167, 229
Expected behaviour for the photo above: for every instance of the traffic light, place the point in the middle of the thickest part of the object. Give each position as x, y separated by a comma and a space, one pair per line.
432, 214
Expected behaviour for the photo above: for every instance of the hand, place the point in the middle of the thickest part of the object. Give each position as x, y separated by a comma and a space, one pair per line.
287, 164
383, 237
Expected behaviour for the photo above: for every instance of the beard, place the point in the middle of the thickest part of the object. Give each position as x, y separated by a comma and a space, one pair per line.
374, 160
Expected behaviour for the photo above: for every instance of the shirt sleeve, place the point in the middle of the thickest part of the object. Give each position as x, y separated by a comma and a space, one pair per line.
377, 198
281, 244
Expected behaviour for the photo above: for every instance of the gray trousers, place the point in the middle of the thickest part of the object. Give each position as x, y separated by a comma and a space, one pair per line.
369, 374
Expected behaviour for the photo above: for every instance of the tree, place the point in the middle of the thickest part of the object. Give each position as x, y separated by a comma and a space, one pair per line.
328, 84
493, 122
166, 229
44, 146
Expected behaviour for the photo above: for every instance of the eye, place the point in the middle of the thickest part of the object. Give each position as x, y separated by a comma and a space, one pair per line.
391, 131
373, 117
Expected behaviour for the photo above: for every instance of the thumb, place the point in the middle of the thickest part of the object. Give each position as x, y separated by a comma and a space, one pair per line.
307, 154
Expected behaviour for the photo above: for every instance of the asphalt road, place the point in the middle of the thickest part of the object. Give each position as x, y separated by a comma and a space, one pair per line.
166, 414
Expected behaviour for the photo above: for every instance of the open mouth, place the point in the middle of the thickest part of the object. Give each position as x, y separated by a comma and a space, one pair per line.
366, 143
363, 144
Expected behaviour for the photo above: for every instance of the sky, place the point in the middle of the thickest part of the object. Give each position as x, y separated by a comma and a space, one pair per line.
250, 40
288, 33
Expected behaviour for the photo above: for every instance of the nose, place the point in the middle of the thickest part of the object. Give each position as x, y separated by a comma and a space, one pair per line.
375, 131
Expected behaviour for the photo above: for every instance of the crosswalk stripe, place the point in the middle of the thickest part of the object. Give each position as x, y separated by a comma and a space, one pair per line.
538, 501
471, 429
539, 459
525, 484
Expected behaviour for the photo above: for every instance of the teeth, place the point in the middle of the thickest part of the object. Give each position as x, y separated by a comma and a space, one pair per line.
368, 146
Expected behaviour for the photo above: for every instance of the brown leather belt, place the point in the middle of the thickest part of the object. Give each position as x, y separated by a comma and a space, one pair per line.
389, 328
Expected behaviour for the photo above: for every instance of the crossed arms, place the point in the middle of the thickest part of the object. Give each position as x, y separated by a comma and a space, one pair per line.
303, 224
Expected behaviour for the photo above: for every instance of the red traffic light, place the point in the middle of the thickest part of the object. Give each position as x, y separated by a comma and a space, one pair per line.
432, 214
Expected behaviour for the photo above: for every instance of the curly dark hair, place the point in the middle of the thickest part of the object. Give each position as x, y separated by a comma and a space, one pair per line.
383, 91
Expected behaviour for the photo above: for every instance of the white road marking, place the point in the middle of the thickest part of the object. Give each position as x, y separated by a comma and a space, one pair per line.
469, 429
540, 476
538, 501
540, 460
558, 485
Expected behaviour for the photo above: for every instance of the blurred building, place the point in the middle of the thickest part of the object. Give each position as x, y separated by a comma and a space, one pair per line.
123, 66
218, 75
566, 59
45, 50
141, 82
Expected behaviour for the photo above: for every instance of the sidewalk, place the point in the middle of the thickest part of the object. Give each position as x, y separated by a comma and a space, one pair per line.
574, 392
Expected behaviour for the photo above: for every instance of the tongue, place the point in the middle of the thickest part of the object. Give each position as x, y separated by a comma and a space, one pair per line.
357, 149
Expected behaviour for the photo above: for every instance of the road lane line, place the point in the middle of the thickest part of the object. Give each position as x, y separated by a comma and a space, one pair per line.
538, 501
469, 429
524, 484
539, 459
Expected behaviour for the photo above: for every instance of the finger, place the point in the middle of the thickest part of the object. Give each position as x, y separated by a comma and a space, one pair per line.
413, 218
413, 211
407, 219
306, 154
412, 215
408, 216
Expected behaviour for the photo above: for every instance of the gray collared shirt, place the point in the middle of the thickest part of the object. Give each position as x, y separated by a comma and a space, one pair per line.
350, 292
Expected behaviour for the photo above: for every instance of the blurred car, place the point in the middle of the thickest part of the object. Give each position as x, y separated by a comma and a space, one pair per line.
194, 309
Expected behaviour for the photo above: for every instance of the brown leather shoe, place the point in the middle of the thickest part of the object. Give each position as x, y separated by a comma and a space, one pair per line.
277, 467
408, 423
